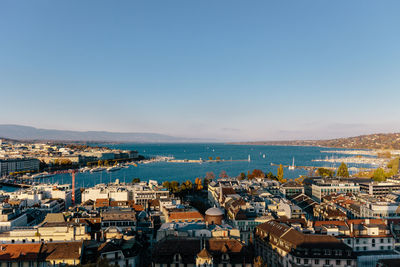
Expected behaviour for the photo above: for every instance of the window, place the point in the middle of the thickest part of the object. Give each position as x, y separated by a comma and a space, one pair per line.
316, 261
337, 262
348, 262
305, 261
381, 240
327, 262
298, 260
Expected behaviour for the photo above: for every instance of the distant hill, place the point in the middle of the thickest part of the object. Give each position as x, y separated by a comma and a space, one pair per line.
18, 132
370, 141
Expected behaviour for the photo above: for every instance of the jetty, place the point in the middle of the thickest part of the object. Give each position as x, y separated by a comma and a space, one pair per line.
13, 183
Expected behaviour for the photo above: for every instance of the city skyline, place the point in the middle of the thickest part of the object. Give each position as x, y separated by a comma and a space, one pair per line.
227, 70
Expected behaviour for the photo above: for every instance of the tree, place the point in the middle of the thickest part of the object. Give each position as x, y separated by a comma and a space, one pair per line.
174, 186
325, 172
223, 174
198, 184
394, 166
137, 180
241, 176
206, 181
280, 173
379, 175
210, 158
167, 185
218, 158
342, 171
258, 173
210, 176
271, 176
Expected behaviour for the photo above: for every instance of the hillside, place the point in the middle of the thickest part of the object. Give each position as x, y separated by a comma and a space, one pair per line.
371, 141
18, 132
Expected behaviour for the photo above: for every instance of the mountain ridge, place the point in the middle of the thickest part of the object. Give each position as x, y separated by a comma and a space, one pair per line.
367, 141
21, 132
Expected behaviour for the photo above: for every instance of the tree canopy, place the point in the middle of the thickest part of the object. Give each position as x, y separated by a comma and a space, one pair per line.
342, 171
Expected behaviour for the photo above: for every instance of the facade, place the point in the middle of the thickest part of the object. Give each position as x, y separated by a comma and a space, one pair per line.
323, 187
18, 165
281, 245
291, 189
379, 189
361, 235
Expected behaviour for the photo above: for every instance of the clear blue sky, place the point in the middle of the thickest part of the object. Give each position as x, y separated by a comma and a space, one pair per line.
248, 70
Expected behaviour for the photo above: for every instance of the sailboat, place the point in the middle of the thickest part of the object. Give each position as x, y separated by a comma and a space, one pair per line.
292, 167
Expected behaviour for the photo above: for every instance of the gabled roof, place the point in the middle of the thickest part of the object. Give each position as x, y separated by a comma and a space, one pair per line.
204, 254
62, 250
21, 252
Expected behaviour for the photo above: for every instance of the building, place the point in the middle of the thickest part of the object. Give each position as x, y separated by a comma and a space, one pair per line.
62, 253
124, 219
10, 165
290, 189
379, 189
21, 255
281, 245
190, 252
214, 216
323, 187
361, 235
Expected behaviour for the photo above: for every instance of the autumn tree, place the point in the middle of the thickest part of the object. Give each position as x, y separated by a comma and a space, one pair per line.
342, 171
241, 176
280, 173
198, 184
223, 174
135, 180
210, 176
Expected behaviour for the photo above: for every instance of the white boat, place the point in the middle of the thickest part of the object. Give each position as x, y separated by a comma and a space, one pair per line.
113, 169
292, 167
98, 169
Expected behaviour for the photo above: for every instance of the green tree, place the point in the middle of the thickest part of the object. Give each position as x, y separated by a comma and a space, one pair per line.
394, 166
174, 186
271, 176
379, 175
325, 172
280, 173
167, 185
342, 171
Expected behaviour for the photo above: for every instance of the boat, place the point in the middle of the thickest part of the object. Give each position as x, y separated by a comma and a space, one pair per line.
98, 169
113, 169
292, 167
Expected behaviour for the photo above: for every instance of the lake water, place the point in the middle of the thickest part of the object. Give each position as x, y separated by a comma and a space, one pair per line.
162, 171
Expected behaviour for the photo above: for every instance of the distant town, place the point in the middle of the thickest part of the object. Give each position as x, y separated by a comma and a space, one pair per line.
328, 218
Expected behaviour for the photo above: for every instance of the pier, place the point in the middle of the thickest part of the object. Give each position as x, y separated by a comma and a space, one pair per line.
8, 182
